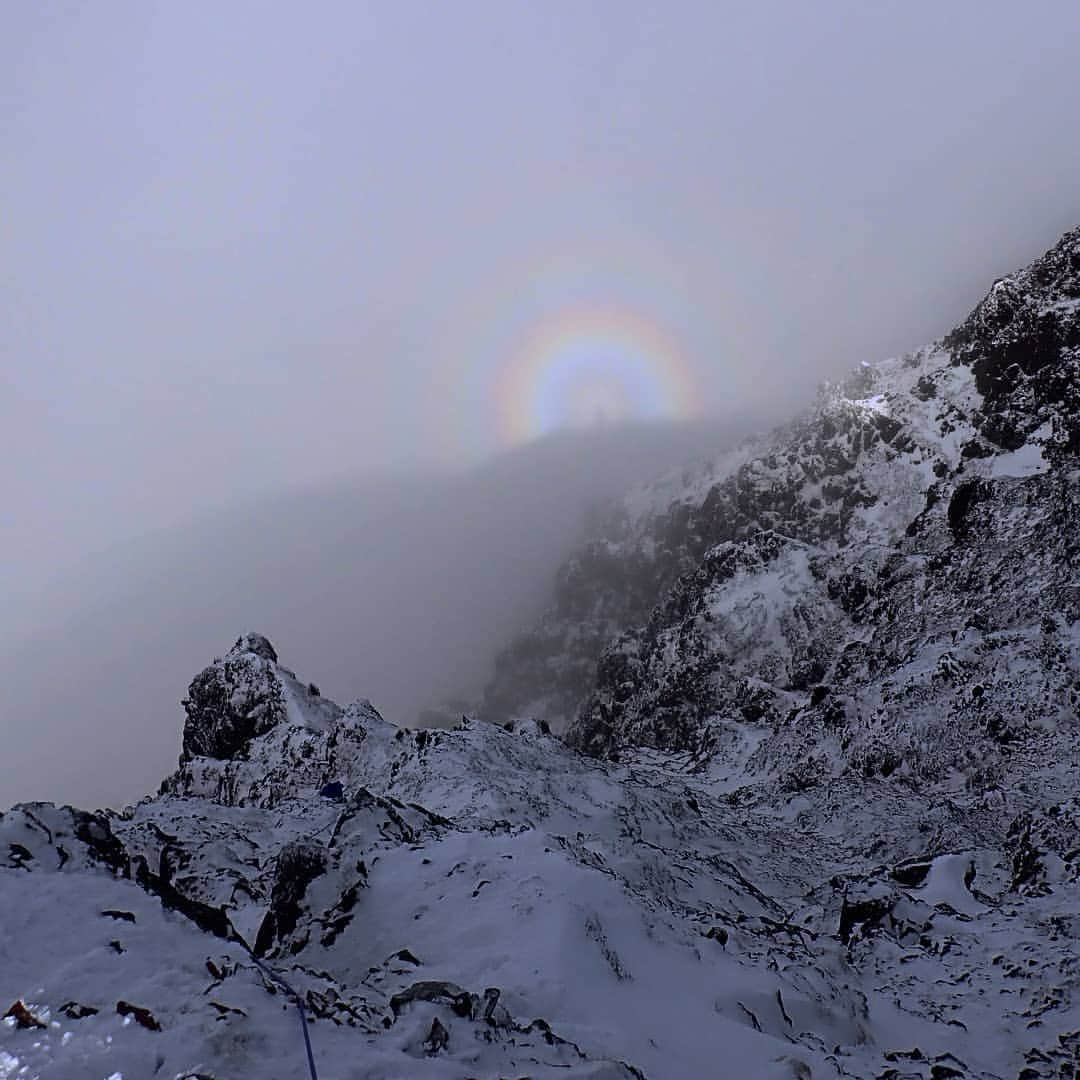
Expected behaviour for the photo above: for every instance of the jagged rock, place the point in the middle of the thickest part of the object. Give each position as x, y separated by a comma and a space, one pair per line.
298, 865
438, 1038
436, 991
866, 910
224, 1011
712, 620
1051, 834
23, 1017
120, 916
95, 831
74, 1011
912, 873
233, 700
257, 645
964, 498
19, 856
1022, 344
144, 1017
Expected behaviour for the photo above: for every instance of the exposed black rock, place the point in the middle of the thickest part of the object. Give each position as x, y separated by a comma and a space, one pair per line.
964, 498
140, 1015
1023, 345
438, 1038
120, 916
865, 912
23, 1017
74, 1011
233, 700
102, 845
298, 865
437, 991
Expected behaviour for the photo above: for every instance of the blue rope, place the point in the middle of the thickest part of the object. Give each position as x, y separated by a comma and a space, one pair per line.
299, 1002
307, 1039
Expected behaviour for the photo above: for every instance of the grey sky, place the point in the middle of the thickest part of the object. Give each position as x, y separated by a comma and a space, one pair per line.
247, 247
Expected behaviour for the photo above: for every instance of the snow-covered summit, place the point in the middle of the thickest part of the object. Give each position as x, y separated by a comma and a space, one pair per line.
244, 694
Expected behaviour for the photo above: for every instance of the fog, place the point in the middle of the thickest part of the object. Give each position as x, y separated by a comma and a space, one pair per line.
400, 589
280, 279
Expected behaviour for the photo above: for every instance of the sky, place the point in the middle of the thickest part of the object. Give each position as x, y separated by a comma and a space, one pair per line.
248, 248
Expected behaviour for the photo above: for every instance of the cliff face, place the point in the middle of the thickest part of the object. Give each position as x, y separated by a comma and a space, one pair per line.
895, 481
884, 570
233, 700
1022, 345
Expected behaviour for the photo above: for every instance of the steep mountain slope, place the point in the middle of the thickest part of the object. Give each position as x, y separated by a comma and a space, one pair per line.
997, 399
817, 817
895, 573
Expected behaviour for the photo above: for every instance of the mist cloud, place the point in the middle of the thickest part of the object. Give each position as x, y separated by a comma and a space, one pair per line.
397, 588
262, 248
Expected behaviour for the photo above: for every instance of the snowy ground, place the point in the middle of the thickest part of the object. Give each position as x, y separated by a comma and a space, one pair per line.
638, 910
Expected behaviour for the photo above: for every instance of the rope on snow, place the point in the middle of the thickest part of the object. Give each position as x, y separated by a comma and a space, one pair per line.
299, 1002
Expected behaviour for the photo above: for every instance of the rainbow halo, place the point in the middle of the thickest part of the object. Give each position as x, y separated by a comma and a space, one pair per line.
590, 366
567, 340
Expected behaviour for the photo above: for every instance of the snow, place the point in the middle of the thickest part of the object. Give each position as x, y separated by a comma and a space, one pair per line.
582, 890
1027, 461
879, 403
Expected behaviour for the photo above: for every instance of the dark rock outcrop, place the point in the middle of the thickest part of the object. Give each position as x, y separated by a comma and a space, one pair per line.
23, 1017
299, 864
1022, 344
233, 700
140, 1015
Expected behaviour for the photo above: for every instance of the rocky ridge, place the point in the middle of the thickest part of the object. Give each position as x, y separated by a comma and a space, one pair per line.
998, 397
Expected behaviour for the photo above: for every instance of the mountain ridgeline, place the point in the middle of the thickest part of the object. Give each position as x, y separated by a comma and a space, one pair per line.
783, 784
789, 574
